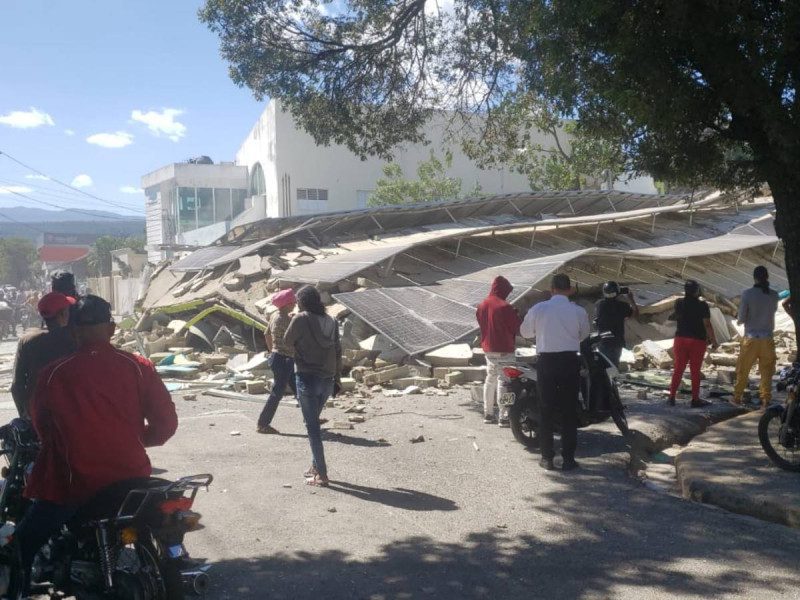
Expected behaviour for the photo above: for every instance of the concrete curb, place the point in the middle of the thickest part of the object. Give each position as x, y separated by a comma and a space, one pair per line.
695, 470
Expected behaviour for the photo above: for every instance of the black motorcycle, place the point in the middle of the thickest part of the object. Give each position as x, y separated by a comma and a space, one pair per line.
598, 399
124, 544
779, 426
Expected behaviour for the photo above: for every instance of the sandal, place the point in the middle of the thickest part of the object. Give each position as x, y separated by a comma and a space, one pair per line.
311, 472
318, 481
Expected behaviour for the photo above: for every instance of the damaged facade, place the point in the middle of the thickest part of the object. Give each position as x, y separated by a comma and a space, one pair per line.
404, 281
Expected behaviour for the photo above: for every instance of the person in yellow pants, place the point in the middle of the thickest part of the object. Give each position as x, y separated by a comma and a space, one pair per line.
757, 313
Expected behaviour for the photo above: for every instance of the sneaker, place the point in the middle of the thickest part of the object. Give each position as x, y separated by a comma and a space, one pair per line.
504, 423
547, 464
671, 401
489, 420
570, 465
267, 429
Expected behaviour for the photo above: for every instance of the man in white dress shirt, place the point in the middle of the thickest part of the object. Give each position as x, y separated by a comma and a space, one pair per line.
559, 327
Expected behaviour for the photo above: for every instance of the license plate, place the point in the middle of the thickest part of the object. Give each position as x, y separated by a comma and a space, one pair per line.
507, 399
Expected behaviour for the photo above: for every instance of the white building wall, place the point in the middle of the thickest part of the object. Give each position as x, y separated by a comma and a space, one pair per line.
260, 147
348, 180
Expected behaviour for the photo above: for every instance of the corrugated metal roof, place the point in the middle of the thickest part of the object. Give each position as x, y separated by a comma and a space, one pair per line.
419, 319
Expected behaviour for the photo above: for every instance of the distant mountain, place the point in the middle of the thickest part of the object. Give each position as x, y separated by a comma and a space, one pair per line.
39, 215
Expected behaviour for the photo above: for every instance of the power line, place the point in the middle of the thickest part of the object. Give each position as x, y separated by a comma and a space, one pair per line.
80, 191
44, 191
75, 210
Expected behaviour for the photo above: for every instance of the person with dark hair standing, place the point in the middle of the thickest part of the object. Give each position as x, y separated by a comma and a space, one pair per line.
757, 313
318, 364
611, 313
39, 348
64, 282
692, 337
559, 327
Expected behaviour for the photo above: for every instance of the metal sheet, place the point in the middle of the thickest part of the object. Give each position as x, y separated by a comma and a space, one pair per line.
201, 259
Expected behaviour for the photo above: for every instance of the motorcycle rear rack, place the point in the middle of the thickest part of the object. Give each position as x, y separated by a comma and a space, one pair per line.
138, 498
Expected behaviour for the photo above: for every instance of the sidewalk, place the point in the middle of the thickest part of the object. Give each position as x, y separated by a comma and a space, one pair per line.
727, 467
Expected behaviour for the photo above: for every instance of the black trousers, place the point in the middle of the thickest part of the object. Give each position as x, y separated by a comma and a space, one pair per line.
558, 375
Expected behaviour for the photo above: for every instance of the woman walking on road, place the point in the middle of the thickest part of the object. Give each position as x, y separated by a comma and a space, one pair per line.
693, 335
318, 362
281, 358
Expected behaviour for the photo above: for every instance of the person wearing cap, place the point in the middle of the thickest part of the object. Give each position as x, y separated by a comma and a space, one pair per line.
610, 315
94, 411
757, 308
39, 348
693, 335
281, 358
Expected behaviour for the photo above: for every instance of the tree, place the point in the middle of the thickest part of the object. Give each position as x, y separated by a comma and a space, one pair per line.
18, 261
573, 160
99, 260
698, 91
432, 183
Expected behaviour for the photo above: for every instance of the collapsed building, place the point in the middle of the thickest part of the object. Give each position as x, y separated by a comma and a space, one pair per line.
404, 281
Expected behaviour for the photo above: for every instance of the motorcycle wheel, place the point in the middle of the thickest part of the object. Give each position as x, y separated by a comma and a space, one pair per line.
618, 411
524, 420
139, 574
770, 430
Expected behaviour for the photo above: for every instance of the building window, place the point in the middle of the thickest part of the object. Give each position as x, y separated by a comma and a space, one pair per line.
258, 185
187, 208
205, 207
240, 201
312, 200
222, 204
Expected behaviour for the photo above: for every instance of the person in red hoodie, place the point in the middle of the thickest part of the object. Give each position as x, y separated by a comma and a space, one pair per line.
499, 323
95, 411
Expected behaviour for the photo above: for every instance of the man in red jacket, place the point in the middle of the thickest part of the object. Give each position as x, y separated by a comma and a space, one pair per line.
499, 323
94, 411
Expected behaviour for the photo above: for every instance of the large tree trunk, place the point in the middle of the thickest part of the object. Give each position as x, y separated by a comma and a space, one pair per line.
786, 193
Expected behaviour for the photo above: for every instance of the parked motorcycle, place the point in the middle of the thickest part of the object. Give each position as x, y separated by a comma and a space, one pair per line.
598, 399
779, 426
125, 544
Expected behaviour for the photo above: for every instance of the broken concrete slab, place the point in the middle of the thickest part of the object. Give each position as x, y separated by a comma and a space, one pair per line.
347, 384
256, 386
654, 354
421, 382
386, 375
723, 360
453, 355
454, 378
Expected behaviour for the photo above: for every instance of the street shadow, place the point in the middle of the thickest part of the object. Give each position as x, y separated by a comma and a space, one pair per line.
401, 498
593, 539
339, 438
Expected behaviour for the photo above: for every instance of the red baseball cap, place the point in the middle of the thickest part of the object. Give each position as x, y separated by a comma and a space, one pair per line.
53, 303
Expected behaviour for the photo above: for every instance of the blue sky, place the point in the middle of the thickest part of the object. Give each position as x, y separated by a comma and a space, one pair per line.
119, 89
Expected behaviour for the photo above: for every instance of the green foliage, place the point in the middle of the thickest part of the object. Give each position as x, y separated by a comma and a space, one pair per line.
432, 183
99, 260
18, 261
569, 158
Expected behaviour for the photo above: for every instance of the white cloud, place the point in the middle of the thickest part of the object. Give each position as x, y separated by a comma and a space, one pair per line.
130, 189
82, 181
69, 132
120, 139
26, 119
40, 177
14, 189
162, 123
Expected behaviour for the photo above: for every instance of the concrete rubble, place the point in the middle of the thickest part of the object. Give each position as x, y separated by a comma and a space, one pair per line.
203, 317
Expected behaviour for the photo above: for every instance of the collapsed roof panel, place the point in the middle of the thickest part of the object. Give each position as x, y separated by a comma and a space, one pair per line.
419, 319
200, 259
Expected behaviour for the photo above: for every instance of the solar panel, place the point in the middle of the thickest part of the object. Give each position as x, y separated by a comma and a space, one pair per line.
200, 259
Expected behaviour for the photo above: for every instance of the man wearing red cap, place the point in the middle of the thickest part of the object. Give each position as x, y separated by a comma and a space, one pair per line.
41, 347
281, 358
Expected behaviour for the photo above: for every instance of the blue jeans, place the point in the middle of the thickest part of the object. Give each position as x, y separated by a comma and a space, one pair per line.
312, 393
282, 368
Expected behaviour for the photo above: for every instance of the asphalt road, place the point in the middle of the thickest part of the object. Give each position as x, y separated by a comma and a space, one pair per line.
465, 514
